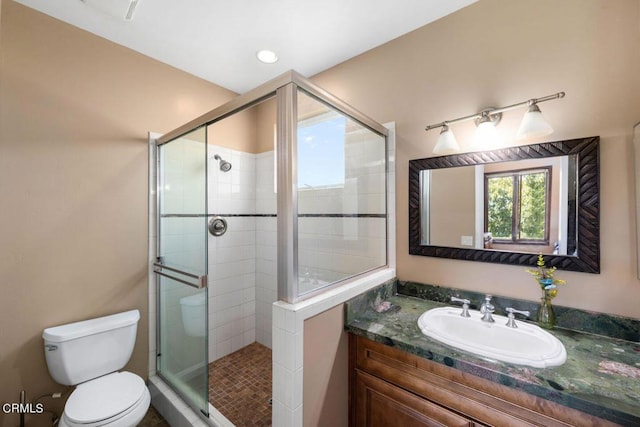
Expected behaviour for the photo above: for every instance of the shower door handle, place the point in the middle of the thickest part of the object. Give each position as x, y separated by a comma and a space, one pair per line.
200, 282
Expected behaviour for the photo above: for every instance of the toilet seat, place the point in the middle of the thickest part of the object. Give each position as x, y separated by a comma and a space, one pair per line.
117, 399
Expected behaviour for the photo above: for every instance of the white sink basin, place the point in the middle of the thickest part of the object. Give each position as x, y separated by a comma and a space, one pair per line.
525, 345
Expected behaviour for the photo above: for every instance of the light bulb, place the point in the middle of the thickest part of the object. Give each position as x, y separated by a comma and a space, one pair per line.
486, 134
533, 124
446, 142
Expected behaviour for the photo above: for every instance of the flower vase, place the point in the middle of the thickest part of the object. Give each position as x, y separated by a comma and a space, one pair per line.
546, 318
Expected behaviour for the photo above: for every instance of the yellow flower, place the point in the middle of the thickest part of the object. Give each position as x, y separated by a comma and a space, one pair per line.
543, 273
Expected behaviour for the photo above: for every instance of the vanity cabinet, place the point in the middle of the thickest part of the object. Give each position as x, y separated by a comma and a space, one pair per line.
390, 387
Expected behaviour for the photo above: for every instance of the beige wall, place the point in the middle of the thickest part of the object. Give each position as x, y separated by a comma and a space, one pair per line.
325, 382
265, 125
75, 111
452, 206
237, 131
498, 52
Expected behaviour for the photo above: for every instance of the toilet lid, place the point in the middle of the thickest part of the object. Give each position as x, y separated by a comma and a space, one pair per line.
104, 397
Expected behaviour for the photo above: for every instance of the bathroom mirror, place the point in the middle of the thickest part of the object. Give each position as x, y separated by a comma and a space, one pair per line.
508, 205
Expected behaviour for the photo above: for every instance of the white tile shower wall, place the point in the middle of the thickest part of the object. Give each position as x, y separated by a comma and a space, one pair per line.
266, 246
231, 192
265, 185
232, 256
266, 277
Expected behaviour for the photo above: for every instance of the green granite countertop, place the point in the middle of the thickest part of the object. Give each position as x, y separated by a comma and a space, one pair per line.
601, 375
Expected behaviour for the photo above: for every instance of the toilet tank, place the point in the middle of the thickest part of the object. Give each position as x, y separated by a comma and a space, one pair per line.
80, 351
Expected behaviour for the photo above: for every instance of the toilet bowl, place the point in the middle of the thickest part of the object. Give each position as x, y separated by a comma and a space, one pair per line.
120, 399
193, 314
89, 354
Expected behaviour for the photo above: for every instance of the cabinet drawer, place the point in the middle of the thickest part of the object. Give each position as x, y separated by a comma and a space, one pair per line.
381, 404
470, 396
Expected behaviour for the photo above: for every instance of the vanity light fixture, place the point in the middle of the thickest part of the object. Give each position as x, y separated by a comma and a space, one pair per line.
533, 124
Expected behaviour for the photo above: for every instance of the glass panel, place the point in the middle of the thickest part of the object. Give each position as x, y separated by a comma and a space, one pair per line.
182, 195
341, 169
183, 340
182, 245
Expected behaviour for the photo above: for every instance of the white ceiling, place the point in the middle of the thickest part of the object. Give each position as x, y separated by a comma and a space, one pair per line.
217, 40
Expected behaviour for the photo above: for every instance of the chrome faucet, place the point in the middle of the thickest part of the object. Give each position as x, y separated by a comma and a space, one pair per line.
465, 306
487, 309
511, 321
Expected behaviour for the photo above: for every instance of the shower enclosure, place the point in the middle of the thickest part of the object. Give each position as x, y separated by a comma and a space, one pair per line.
278, 195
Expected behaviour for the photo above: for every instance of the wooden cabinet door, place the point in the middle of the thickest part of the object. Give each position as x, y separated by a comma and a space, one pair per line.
380, 404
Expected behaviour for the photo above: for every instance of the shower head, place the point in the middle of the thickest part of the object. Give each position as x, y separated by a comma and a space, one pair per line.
224, 165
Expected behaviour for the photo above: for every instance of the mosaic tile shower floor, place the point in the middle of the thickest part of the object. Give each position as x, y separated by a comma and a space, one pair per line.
240, 386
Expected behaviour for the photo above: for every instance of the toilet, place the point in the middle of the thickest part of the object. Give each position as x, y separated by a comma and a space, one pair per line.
193, 309
89, 355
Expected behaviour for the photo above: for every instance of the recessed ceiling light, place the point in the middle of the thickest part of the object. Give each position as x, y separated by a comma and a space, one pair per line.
267, 56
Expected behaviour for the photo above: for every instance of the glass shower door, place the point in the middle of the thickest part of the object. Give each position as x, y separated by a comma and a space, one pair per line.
181, 267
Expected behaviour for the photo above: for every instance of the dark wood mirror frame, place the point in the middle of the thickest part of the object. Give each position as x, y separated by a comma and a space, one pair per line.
588, 212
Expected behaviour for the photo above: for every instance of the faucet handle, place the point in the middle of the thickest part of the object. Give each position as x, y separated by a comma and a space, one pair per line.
513, 310
465, 305
511, 322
